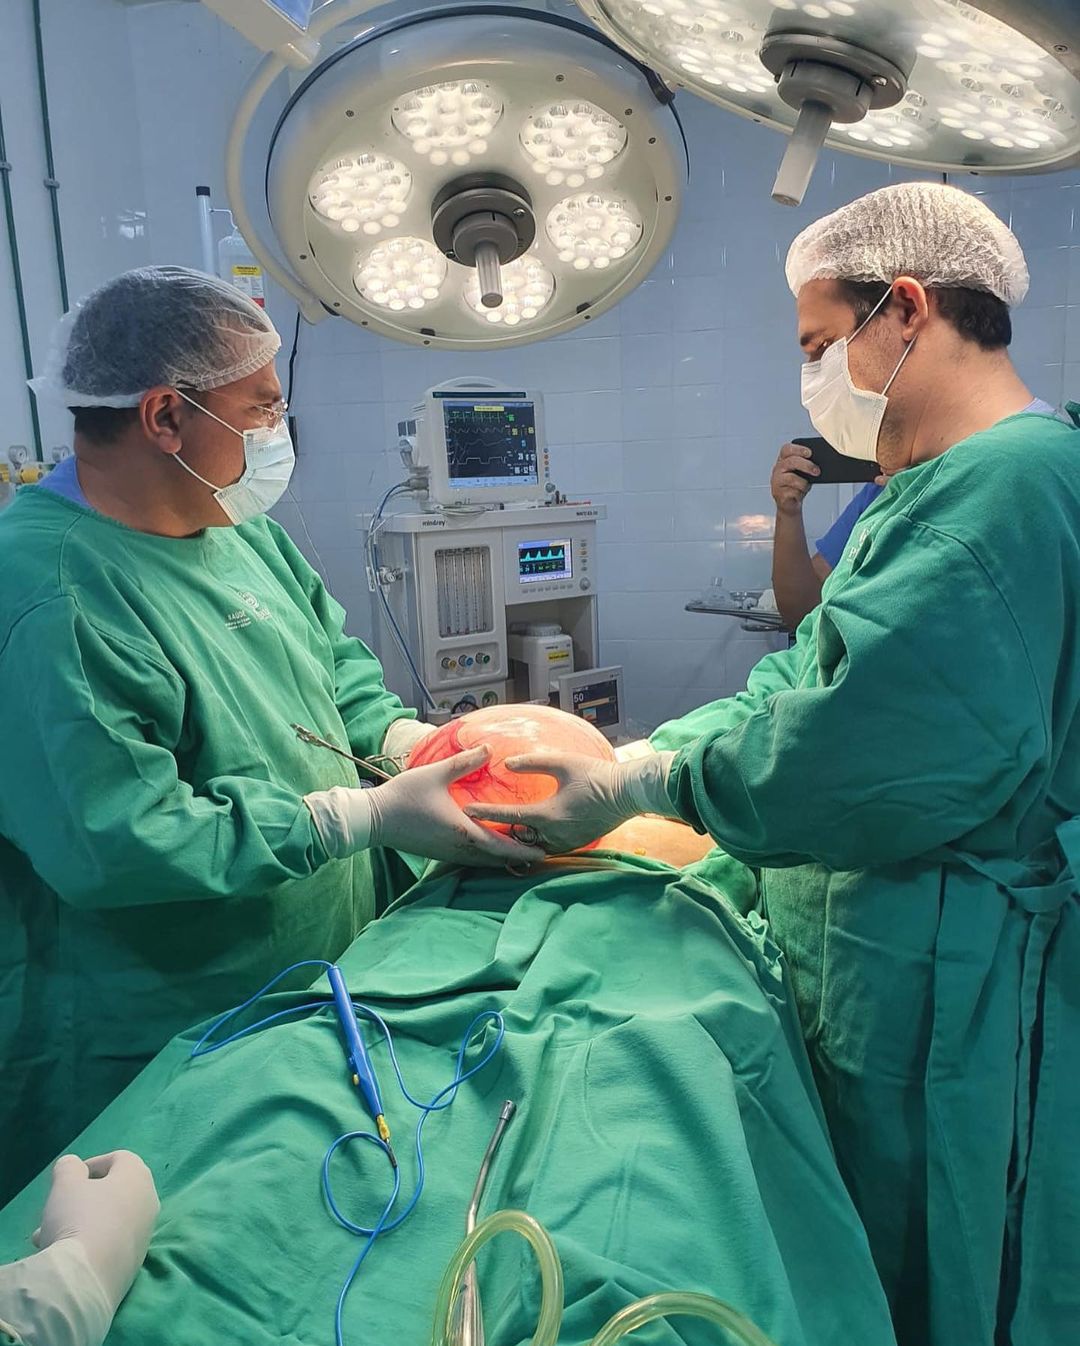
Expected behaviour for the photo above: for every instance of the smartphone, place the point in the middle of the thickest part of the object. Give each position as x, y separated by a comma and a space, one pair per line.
835, 467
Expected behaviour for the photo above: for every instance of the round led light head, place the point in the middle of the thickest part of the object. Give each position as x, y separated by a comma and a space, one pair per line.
991, 86
463, 140
404, 273
590, 230
449, 123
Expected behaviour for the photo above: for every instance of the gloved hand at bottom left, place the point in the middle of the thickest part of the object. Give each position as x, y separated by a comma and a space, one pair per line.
94, 1233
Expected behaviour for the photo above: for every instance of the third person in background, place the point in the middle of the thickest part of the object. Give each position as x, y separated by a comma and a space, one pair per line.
798, 573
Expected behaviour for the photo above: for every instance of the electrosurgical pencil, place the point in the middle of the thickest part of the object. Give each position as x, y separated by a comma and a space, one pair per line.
363, 1071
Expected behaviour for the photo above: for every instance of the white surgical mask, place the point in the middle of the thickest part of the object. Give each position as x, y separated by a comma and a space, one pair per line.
268, 467
848, 417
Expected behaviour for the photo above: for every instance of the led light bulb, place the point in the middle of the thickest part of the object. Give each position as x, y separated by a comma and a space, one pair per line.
570, 142
592, 231
367, 193
528, 286
449, 123
712, 41
402, 273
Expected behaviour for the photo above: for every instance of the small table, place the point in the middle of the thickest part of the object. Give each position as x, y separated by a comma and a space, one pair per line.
750, 620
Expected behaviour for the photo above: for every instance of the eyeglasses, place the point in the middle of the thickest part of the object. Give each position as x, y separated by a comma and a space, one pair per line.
266, 414
271, 415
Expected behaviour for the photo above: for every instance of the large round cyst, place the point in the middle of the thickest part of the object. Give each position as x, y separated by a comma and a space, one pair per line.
509, 731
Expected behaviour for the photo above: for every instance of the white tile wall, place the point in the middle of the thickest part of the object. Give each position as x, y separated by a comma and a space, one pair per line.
669, 409
96, 150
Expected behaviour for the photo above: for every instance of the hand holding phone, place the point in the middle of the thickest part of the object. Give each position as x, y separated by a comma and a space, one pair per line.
834, 467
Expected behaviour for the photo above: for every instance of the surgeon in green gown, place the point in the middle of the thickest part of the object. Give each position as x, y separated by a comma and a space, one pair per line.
166, 841
906, 779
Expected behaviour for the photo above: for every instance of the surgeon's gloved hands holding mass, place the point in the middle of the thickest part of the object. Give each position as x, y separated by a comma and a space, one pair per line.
593, 797
415, 813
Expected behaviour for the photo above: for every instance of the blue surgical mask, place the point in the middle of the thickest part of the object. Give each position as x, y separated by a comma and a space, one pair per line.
268, 468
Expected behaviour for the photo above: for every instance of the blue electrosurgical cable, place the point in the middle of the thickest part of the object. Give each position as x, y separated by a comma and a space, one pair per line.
346, 1010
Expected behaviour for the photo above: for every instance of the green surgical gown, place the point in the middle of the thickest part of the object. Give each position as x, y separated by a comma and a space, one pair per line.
668, 1133
157, 862
907, 780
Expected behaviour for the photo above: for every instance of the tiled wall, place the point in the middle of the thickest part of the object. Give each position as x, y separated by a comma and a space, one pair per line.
669, 409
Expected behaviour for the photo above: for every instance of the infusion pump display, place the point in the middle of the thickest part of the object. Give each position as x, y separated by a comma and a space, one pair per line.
490, 443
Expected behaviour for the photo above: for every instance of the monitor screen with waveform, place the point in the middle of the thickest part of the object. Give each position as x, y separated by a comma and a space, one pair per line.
490, 443
545, 560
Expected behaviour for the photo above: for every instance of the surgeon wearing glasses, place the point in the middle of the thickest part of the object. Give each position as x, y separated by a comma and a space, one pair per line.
166, 841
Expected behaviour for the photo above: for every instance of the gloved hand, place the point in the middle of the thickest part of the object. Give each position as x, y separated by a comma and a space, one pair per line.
109, 1205
628, 752
414, 813
593, 798
403, 735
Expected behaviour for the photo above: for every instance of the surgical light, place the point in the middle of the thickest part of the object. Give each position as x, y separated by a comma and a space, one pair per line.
527, 288
987, 86
469, 177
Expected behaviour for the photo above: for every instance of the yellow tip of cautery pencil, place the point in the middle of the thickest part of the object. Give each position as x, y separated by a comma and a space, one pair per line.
384, 1136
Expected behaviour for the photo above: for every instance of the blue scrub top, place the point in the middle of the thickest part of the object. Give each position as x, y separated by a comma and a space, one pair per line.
64, 480
832, 545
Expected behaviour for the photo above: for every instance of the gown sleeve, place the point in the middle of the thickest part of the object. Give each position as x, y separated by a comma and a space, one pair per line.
918, 721
111, 824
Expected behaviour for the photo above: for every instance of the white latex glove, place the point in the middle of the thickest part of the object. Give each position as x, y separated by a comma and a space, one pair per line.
54, 1298
629, 752
109, 1205
593, 798
414, 813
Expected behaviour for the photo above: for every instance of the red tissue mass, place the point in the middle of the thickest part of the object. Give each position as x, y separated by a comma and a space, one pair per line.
509, 731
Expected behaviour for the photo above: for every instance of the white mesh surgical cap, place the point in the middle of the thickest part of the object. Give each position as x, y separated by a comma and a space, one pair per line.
155, 325
939, 235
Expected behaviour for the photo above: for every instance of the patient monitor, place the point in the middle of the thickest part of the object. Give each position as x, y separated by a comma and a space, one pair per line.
488, 589
480, 445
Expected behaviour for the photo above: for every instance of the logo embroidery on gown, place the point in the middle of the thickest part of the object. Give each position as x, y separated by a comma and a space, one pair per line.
854, 553
253, 611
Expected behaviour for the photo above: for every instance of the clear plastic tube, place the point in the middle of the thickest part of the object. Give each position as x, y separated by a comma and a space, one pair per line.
738, 1328
551, 1279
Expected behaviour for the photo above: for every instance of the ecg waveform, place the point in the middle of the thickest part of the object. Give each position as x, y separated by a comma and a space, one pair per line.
537, 559
546, 559
490, 442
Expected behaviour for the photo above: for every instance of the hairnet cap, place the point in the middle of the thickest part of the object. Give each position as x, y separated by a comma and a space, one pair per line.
151, 326
939, 235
